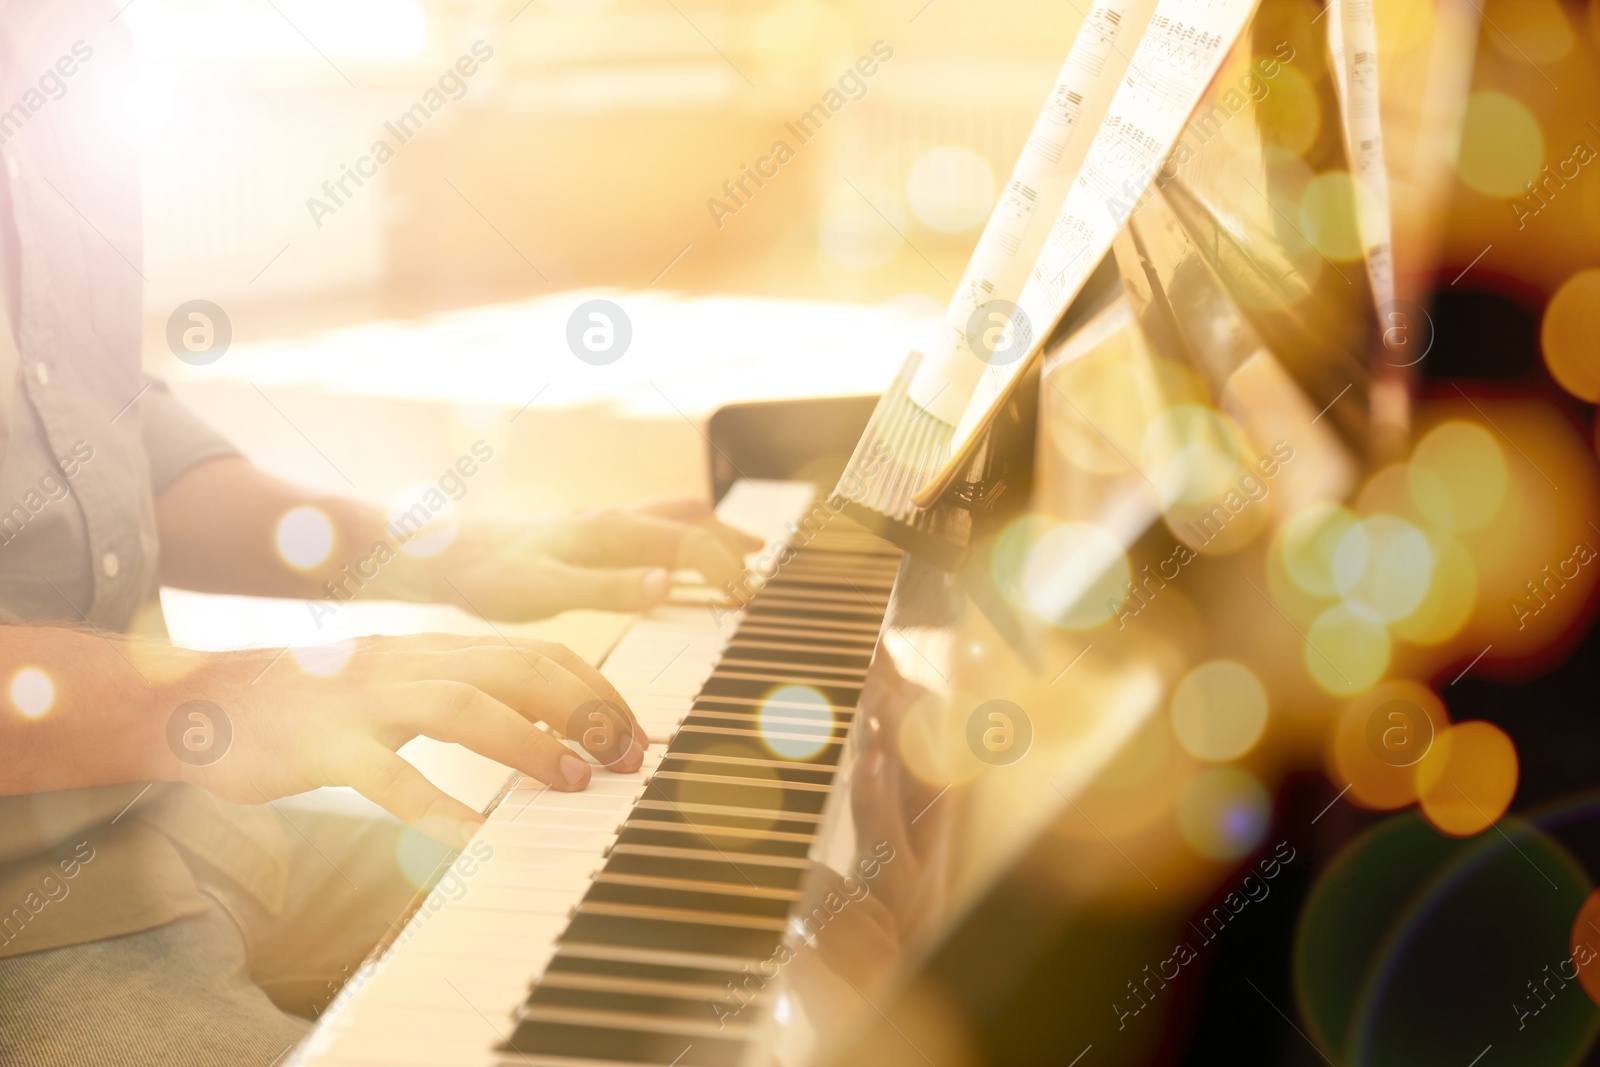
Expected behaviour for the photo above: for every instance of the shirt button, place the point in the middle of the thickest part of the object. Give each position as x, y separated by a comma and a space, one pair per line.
110, 565
42, 372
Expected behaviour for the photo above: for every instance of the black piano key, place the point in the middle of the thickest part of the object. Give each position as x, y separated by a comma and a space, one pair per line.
823, 630
538, 1038
727, 870
782, 608
735, 795
847, 642
737, 653
687, 899
713, 820
567, 964
728, 740
828, 755
774, 719
774, 704
670, 936
686, 837
794, 772
697, 1008
786, 674
833, 693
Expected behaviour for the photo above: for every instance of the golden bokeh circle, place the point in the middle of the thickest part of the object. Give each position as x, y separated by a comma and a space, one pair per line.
1467, 780
1219, 710
1458, 476
1570, 335
1500, 147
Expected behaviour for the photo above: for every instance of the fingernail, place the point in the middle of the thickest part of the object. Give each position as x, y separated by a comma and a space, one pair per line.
654, 585
573, 770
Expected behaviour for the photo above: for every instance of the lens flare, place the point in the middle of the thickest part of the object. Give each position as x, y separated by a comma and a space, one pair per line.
305, 537
324, 660
796, 722
1075, 575
32, 692
1223, 813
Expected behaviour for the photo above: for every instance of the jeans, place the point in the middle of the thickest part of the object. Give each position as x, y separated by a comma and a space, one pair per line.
232, 987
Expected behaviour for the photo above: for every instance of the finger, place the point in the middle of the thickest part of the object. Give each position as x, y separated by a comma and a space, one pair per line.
698, 512
627, 539
545, 681
400, 789
631, 589
586, 673
468, 716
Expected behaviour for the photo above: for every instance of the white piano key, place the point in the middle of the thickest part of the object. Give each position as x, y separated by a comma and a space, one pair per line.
443, 995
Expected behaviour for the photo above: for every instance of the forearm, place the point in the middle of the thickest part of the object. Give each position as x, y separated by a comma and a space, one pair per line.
219, 523
81, 709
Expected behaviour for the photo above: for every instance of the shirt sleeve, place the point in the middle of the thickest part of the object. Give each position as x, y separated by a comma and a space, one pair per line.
175, 438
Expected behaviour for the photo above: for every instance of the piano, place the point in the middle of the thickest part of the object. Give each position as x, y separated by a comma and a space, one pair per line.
647, 919
916, 694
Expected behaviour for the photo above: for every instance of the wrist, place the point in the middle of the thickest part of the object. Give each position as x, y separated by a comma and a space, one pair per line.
162, 678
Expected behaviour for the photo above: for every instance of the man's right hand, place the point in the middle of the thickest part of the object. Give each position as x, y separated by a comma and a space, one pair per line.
292, 731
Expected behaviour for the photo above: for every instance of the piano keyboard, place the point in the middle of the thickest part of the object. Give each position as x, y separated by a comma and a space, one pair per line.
602, 927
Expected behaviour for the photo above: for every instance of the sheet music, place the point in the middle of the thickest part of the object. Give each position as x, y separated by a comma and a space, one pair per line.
1177, 57
1353, 46
1035, 191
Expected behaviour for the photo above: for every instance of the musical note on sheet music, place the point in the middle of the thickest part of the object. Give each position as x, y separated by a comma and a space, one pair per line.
1177, 56
1351, 25
1035, 191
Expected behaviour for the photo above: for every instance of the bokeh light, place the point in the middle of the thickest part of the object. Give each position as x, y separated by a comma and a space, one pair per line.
1116, 389
1458, 476
1308, 543
1290, 116
853, 233
304, 537
950, 188
324, 660
1075, 575
1191, 453
1365, 753
1570, 335
1219, 710
1333, 209
1223, 813
1501, 147
32, 692
1384, 565
1346, 649
1450, 599
1586, 931
1467, 780
796, 722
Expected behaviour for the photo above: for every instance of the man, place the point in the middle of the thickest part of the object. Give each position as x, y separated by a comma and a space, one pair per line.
153, 908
